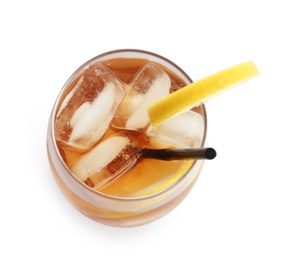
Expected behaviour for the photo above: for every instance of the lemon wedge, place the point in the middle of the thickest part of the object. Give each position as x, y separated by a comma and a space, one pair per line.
199, 92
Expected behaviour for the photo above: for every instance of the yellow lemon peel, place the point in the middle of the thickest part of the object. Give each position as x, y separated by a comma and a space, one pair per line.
199, 92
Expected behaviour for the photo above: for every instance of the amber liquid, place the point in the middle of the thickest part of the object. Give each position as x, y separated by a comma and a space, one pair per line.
146, 172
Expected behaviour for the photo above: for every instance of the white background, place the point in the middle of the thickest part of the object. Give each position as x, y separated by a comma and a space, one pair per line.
240, 205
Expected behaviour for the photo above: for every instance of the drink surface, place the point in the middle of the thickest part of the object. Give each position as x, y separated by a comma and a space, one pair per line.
102, 120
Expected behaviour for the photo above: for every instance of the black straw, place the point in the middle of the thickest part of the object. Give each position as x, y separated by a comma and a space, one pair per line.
179, 154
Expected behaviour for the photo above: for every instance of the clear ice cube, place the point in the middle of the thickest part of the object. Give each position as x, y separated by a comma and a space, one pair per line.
85, 114
149, 85
108, 160
183, 131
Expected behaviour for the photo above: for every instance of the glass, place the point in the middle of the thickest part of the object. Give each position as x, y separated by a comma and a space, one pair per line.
110, 209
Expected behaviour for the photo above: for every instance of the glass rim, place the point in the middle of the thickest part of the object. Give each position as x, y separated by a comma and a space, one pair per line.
64, 88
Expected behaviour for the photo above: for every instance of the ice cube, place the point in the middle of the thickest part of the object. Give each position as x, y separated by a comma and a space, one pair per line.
149, 85
85, 114
183, 130
106, 161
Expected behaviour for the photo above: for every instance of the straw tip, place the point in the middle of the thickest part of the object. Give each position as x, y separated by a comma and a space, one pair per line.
210, 153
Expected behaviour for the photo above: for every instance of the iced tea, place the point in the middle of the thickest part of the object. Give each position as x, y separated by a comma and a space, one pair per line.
98, 126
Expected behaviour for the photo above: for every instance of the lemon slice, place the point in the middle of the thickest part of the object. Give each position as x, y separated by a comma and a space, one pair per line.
199, 92
166, 182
